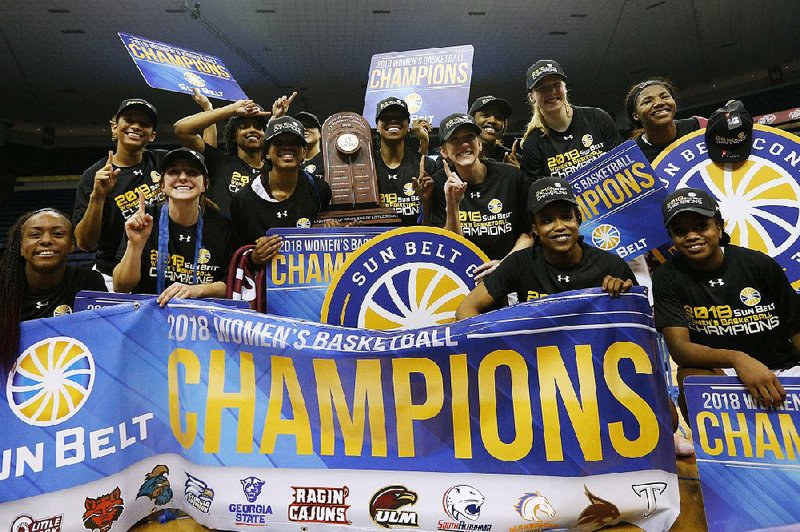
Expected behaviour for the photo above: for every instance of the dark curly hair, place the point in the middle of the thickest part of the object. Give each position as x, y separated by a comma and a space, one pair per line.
229, 133
633, 95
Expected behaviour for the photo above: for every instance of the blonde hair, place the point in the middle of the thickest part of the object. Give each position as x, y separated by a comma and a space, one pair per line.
537, 119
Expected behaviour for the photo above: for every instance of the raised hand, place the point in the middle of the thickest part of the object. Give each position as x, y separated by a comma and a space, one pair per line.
105, 178
454, 188
423, 184
246, 108
281, 106
139, 226
201, 100
421, 129
511, 158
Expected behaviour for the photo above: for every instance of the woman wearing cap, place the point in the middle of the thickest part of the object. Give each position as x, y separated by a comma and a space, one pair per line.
723, 308
481, 199
313, 163
491, 115
283, 196
108, 191
183, 248
561, 137
651, 108
558, 260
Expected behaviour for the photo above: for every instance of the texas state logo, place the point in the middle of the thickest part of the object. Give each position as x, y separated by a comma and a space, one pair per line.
759, 198
51, 381
405, 278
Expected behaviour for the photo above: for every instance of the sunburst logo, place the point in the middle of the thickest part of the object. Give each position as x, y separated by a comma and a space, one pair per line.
605, 237
495, 206
304, 223
750, 296
194, 79
414, 102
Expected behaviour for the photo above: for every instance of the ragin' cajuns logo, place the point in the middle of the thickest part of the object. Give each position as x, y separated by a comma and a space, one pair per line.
101, 512
406, 278
759, 198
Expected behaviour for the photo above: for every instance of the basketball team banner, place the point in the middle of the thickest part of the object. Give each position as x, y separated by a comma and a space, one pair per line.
759, 198
547, 414
434, 82
168, 67
619, 198
747, 456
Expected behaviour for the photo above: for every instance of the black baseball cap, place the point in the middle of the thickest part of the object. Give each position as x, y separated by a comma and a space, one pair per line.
138, 103
547, 190
391, 103
450, 123
688, 200
490, 101
729, 133
308, 120
540, 69
284, 124
195, 157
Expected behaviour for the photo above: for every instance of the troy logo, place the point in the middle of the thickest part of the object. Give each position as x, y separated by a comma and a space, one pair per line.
283, 214
715, 283
563, 278
649, 492
102, 511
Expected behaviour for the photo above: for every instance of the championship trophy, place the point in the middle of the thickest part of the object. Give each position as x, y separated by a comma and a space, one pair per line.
350, 171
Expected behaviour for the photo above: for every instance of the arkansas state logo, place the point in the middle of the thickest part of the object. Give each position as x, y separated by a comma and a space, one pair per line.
387, 507
101, 512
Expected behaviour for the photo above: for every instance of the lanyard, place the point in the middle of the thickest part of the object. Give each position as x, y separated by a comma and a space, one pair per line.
163, 246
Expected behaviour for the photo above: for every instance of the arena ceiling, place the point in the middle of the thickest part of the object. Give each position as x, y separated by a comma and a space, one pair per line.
63, 65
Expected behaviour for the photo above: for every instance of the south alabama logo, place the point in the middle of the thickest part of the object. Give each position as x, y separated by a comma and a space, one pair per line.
759, 198
51, 381
406, 278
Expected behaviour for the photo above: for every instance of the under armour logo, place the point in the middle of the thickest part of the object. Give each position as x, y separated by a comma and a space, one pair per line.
138, 172
718, 282
41, 304
563, 278
474, 194
567, 137
283, 214
393, 176
185, 238
650, 493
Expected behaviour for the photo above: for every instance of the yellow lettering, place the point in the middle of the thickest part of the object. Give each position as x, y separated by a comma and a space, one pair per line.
278, 278
641, 170
791, 439
284, 375
701, 419
770, 443
406, 410
462, 435
191, 364
218, 399
740, 433
314, 271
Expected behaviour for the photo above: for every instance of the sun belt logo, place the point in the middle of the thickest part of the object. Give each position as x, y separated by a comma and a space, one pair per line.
536, 508
495, 206
61, 310
649, 492
605, 237
50, 381
101, 512
406, 278
194, 79
414, 102
303, 223
463, 502
26, 523
387, 507
408, 189
750, 296
587, 140
320, 505
759, 198
251, 514
198, 494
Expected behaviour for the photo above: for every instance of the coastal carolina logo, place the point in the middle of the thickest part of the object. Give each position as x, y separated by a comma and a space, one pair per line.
495, 206
750, 296
605, 237
387, 507
194, 79
26, 523
198, 494
156, 486
51, 381
406, 278
759, 198
535, 507
101, 512
414, 102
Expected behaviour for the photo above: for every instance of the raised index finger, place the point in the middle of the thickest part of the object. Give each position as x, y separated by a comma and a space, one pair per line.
110, 161
421, 166
141, 202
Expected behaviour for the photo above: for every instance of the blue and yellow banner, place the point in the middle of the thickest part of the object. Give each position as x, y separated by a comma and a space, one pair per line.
748, 457
169, 67
548, 414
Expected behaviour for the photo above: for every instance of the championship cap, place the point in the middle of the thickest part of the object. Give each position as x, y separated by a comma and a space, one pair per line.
391, 103
729, 133
547, 190
540, 69
284, 124
308, 120
138, 103
490, 101
450, 123
688, 200
184, 154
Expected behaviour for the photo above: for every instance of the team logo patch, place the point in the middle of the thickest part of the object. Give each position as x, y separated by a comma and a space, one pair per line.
61, 310
303, 223
101, 512
387, 507
50, 381
408, 189
405, 278
194, 79
495, 206
310, 168
26, 523
414, 102
251, 514
462, 502
320, 505
750, 296
536, 508
203, 256
587, 140
598, 514
605, 237
649, 492
156, 486
198, 494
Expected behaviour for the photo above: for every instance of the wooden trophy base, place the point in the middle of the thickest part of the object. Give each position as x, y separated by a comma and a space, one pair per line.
360, 217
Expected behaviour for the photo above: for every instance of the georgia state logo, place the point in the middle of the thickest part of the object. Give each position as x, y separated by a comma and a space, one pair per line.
495, 206
759, 198
405, 278
750, 296
605, 237
50, 381
194, 79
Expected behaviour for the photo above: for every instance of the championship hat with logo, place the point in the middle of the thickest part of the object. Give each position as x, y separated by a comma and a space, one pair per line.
184, 154
142, 105
450, 123
490, 102
546, 190
688, 200
540, 69
285, 124
391, 103
729, 133
309, 120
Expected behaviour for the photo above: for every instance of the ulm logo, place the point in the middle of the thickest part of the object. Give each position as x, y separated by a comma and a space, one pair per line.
387, 507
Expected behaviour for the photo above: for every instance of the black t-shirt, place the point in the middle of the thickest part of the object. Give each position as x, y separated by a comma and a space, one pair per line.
746, 305
61, 298
684, 127
120, 204
396, 187
315, 165
228, 174
590, 134
497, 152
492, 212
215, 253
527, 273
253, 210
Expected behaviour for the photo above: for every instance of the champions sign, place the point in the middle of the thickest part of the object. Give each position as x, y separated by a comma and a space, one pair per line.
434, 82
547, 414
175, 69
759, 198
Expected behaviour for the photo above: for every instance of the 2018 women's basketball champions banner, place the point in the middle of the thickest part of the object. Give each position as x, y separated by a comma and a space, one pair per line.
546, 414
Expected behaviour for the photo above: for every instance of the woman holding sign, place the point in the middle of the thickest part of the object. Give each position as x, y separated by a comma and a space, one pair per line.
183, 248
